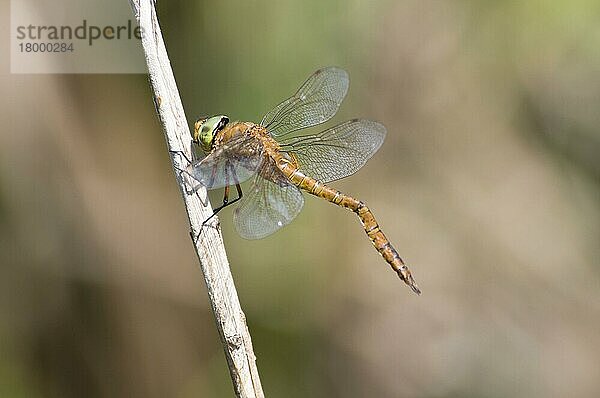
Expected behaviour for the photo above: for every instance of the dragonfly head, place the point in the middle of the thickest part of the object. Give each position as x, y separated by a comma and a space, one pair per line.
206, 129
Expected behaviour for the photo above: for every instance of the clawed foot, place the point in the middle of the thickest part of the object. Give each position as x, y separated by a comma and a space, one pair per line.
205, 224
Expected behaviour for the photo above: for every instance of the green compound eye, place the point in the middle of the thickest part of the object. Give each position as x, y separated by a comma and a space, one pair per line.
205, 131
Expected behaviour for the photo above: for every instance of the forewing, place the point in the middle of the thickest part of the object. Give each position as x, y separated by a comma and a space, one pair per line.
270, 204
338, 151
315, 102
230, 163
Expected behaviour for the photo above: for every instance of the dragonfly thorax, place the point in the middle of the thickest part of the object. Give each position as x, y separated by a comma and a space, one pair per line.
205, 131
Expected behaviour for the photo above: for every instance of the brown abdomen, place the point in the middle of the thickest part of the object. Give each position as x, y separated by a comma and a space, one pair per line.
369, 223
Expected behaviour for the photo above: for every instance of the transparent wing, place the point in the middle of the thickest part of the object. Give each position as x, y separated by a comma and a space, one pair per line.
338, 151
271, 203
232, 162
315, 102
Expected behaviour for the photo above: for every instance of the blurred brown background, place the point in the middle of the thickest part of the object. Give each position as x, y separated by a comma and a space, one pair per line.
488, 184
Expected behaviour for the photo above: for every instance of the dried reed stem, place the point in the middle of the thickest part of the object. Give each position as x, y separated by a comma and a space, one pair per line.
229, 318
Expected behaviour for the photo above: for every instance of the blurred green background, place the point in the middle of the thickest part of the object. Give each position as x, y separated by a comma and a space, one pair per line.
488, 184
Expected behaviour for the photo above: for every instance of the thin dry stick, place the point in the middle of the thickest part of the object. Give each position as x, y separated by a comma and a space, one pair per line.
229, 317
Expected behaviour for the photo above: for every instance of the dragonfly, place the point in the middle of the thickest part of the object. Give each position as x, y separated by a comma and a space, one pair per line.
280, 161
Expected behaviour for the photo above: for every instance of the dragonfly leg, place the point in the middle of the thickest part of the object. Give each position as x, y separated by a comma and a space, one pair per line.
226, 201
195, 188
182, 154
188, 190
181, 172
